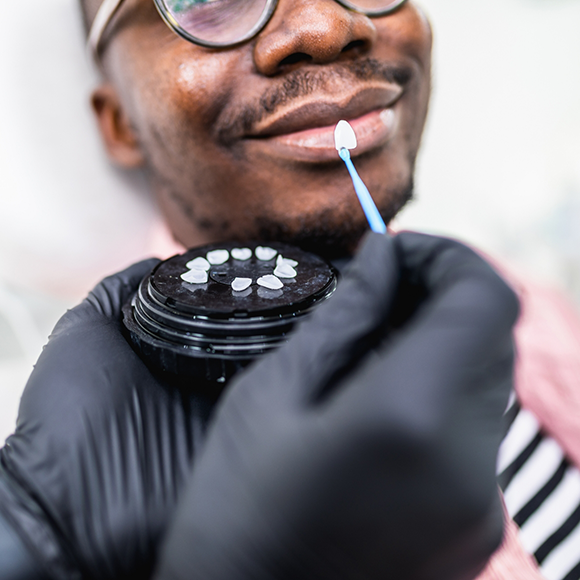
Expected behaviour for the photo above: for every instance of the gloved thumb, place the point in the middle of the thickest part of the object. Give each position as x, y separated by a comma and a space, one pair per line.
329, 340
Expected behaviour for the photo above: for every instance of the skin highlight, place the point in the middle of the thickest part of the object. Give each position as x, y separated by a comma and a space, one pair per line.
234, 139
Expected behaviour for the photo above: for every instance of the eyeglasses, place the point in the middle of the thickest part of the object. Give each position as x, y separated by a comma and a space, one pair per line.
220, 23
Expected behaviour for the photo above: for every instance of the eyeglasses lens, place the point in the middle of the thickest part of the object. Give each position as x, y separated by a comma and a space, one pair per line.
374, 6
226, 22
219, 22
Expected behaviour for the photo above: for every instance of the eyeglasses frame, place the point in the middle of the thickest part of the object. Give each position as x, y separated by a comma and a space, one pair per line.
109, 8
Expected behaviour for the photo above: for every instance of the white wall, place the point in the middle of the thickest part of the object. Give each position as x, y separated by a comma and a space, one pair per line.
501, 157
63, 210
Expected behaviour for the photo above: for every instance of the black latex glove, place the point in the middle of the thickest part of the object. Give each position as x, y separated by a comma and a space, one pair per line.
329, 461
90, 477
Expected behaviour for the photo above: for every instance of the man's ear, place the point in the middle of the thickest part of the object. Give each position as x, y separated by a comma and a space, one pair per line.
119, 137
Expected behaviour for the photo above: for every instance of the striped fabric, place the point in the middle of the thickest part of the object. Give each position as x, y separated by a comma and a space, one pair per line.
542, 494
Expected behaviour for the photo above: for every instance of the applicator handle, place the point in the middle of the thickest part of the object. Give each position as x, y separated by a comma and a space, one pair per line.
371, 212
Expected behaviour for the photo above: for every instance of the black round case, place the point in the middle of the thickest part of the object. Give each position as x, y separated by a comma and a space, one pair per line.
206, 329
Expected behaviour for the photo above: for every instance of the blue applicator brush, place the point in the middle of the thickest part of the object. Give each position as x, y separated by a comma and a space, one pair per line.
344, 140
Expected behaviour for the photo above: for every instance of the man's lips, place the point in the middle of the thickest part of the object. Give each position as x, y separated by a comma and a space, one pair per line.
327, 109
304, 131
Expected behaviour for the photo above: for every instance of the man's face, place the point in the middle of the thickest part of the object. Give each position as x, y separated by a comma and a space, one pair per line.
239, 142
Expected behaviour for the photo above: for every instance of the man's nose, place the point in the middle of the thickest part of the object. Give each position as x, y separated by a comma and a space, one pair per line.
311, 31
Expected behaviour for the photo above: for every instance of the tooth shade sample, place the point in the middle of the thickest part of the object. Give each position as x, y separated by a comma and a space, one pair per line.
195, 276
241, 254
217, 257
198, 264
282, 260
240, 284
271, 282
265, 254
344, 136
284, 270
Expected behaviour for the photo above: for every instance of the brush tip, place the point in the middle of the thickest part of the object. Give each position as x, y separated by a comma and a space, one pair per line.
344, 154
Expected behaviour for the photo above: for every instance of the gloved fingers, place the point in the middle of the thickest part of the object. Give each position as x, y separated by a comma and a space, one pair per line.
106, 299
441, 265
87, 358
459, 337
111, 293
328, 340
431, 261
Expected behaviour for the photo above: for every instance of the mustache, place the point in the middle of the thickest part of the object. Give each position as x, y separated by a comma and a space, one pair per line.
300, 83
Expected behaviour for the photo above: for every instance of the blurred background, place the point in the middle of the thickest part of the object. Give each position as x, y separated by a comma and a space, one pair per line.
500, 165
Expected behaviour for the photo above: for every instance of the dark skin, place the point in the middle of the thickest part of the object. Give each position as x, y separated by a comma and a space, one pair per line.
238, 141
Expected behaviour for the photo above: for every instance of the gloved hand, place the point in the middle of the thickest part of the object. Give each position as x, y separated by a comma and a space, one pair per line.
365, 448
101, 449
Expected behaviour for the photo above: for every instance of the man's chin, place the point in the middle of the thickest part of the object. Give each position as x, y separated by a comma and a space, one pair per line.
326, 235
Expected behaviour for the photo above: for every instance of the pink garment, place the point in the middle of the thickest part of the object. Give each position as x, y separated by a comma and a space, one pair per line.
548, 371
511, 562
548, 384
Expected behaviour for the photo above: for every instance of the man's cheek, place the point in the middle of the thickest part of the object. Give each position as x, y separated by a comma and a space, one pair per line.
200, 88
410, 36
